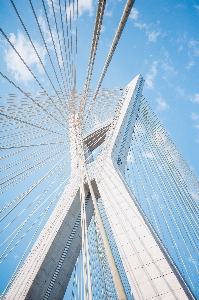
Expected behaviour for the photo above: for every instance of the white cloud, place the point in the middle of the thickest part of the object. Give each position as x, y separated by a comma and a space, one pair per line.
50, 6
180, 6
195, 98
167, 66
85, 6
195, 196
197, 7
180, 92
150, 76
140, 25
44, 28
180, 48
168, 69
108, 13
182, 41
190, 64
134, 14
194, 45
14, 64
194, 51
161, 140
190, 259
166, 53
152, 36
194, 116
162, 105
148, 154
103, 28
48, 38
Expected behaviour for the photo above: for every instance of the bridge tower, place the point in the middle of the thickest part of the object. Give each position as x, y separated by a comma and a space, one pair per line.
140, 265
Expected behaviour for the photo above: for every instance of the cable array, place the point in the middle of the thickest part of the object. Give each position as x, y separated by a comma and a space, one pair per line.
96, 35
102, 281
126, 12
165, 188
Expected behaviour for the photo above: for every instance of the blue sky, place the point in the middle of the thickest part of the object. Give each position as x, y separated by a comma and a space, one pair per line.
160, 41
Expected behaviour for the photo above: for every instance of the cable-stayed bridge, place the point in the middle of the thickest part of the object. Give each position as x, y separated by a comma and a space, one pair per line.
96, 196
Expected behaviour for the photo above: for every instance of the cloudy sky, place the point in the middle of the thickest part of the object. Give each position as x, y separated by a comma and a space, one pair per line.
160, 41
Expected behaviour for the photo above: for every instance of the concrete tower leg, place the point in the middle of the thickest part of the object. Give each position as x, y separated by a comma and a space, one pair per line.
146, 265
47, 270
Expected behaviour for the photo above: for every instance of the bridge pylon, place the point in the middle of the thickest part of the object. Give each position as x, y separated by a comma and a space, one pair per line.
139, 263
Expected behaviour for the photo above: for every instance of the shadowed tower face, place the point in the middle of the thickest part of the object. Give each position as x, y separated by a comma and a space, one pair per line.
116, 228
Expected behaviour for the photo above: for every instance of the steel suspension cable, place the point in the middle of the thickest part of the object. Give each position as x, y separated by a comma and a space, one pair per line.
95, 39
45, 45
35, 102
14, 6
126, 12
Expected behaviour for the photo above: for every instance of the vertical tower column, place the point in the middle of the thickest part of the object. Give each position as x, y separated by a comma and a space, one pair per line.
147, 265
